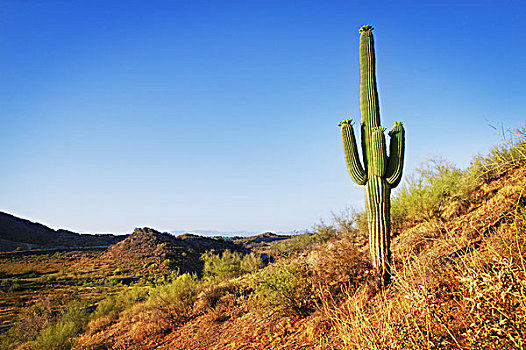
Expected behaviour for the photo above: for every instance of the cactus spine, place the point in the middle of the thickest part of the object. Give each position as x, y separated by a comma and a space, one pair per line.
380, 172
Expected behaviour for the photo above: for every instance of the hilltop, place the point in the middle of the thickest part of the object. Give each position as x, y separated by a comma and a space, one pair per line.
22, 234
147, 250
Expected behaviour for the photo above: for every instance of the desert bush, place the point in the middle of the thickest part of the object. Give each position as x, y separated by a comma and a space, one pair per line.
115, 304
229, 264
283, 287
294, 245
221, 266
49, 324
425, 194
352, 225
30, 273
59, 335
251, 263
321, 232
166, 306
215, 293
337, 264
29, 323
175, 300
511, 153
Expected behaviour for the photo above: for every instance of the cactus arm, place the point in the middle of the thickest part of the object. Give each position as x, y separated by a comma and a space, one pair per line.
351, 153
396, 155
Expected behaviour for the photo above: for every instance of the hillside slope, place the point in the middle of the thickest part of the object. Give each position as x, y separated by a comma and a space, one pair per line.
456, 285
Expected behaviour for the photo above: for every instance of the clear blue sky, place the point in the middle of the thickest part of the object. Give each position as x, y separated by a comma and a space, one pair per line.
224, 114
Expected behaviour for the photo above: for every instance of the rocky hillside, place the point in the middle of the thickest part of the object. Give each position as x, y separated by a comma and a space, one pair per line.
147, 250
17, 233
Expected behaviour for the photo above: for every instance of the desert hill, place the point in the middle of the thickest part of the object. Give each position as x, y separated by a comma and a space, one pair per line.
147, 250
26, 235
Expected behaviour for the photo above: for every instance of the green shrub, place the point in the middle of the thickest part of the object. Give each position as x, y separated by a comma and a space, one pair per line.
352, 225
59, 334
299, 243
30, 322
46, 325
224, 266
15, 287
30, 273
510, 154
120, 302
426, 193
175, 299
283, 288
251, 263
229, 264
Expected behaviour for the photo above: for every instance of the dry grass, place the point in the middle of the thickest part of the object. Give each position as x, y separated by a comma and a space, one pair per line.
473, 301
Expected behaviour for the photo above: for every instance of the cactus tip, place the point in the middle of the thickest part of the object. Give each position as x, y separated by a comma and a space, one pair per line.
396, 128
398, 125
346, 122
366, 28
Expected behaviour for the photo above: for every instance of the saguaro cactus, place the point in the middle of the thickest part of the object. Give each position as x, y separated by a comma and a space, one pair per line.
380, 172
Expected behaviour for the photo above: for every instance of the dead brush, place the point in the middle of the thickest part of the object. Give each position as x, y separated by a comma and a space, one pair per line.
476, 300
218, 297
338, 263
30, 322
494, 302
376, 323
494, 288
407, 315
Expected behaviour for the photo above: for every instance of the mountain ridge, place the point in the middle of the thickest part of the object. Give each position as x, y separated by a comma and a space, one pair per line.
22, 234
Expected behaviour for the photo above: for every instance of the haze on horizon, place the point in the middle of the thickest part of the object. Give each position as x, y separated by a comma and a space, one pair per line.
215, 115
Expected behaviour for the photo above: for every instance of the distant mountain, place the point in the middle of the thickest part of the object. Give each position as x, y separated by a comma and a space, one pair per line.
17, 233
266, 237
260, 242
212, 233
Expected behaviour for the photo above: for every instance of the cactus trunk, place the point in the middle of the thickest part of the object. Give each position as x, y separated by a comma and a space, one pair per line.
377, 192
380, 173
